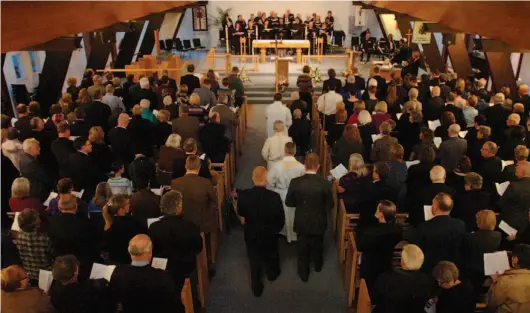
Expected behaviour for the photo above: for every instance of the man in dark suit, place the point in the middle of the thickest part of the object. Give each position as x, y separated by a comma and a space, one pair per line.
190, 79
179, 165
381, 84
360, 82
144, 203
97, 113
121, 142
472, 200
83, 170
377, 243
457, 112
62, 148
175, 239
332, 83
32, 169
432, 110
441, 237
141, 133
381, 148
261, 211
213, 140
23, 123
142, 288
490, 169
79, 127
300, 132
378, 191
311, 195
406, 289
444, 88
496, 116
186, 126
72, 233
524, 97
45, 139
144, 92
514, 202
452, 149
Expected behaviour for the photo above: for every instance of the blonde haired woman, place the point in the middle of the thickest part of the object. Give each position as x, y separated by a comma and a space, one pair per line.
353, 186
17, 294
100, 150
21, 198
168, 154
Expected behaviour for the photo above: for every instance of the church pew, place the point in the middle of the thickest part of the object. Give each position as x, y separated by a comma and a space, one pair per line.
202, 273
186, 296
364, 304
350, 269
347, 223
223, 169
232, 165
335, 207
220, 191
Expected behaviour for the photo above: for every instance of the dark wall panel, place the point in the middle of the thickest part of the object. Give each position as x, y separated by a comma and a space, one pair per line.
501, 70
459, 56
127, 47
100, 48
51, 79
148, 42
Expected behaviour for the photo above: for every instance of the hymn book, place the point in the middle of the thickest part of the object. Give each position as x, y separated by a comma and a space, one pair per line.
338, 172
427, 209
506, 163
501, 188
434, 124
437, 141
496, 263
507, 228
159, 263
102, 271
410, 163
150, 221
45, 280
15, 226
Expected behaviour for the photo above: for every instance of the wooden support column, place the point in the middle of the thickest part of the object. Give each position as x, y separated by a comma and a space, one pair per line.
148, 42
101, 47
51, 79
501, 71
127, 47
459, 56
7, 104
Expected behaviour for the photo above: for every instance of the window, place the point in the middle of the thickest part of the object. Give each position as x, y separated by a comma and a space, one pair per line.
18, 66
35, 64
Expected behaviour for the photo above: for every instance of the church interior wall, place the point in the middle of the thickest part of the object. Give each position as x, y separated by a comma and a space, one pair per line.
27, 76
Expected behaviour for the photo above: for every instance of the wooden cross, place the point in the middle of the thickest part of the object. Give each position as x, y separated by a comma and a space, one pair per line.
408, 37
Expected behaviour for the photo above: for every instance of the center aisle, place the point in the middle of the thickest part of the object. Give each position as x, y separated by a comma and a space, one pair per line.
230, 290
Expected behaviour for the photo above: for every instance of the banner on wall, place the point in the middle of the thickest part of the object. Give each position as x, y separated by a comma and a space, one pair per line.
419, 35
359, 16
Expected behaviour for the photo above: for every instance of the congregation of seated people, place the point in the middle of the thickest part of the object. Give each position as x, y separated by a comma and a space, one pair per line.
84, 182
121, 170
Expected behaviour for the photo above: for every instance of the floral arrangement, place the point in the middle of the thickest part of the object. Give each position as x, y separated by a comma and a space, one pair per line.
283, 83
315, 75
244, 76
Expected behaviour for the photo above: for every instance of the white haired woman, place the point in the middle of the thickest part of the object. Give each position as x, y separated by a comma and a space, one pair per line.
273, 149
168, 154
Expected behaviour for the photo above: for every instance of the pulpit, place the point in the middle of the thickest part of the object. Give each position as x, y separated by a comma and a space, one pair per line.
282, 71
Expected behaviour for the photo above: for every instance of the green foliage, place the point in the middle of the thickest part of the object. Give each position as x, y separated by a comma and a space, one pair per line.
217, 21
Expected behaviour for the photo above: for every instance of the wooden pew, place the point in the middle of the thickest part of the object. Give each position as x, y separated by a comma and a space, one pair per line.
350, 269
223, 169
347, 223
187, 297
364, 304
202, 273
334, 209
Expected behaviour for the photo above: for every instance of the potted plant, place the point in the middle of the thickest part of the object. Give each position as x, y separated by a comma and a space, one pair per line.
219, 20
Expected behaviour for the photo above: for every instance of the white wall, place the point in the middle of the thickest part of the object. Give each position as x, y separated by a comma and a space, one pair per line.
341, 10
186, 29
30, 78
524, 77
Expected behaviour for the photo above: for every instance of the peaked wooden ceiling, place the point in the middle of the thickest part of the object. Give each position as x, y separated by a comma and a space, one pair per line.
508, 21
28, 23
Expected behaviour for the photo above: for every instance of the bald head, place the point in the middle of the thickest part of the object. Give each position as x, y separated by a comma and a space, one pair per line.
523, 90
453, 130
522, 169
411, 258
435, 92
442, 204
141, 248
259, 176
123, 120
437, 174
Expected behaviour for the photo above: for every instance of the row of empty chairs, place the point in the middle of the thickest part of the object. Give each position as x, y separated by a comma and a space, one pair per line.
181, 45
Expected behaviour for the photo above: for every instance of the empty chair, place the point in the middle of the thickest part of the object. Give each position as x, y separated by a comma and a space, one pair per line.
162, 45
197, 43
178, 45
169, 44
187, 44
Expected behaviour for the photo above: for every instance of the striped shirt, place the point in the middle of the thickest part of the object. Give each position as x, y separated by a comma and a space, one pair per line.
120, 186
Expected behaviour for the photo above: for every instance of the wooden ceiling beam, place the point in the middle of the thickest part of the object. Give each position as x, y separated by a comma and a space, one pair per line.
493, 45
29, 23
63, 44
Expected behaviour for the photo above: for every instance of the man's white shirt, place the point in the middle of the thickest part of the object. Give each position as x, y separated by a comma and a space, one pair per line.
327, 103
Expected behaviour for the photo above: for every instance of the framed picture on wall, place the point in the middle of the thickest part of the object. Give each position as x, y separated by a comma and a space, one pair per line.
18, 66
200, 18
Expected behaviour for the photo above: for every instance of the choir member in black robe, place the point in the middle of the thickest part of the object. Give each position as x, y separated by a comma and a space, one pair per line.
413, 65
236, 37
329, 21
241, 22
367, 46
298, 29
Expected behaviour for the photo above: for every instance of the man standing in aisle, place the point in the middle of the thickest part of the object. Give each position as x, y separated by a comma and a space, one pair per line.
312, 197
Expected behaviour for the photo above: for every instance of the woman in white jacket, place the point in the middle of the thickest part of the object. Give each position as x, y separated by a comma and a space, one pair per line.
12, 148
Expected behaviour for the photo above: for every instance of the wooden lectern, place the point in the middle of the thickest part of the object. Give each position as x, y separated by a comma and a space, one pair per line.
282, 71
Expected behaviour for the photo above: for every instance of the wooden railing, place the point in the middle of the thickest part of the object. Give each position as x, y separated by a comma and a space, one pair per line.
211, 56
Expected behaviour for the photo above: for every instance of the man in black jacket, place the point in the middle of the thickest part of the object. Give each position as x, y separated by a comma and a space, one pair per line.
381, 84
83, 171
72, 233
377, 243
175, 239
68, 294
441, 237
121, 142
141, 131
403, 290
458, 113
23, 123
311, 195
433, 109
141, 288
62, 148
261, 211
32, 169
490, 169
213, 140
300, 132
179, 165
472, 200
97, 113
144, 92
514, 202
190, 79
496, 116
